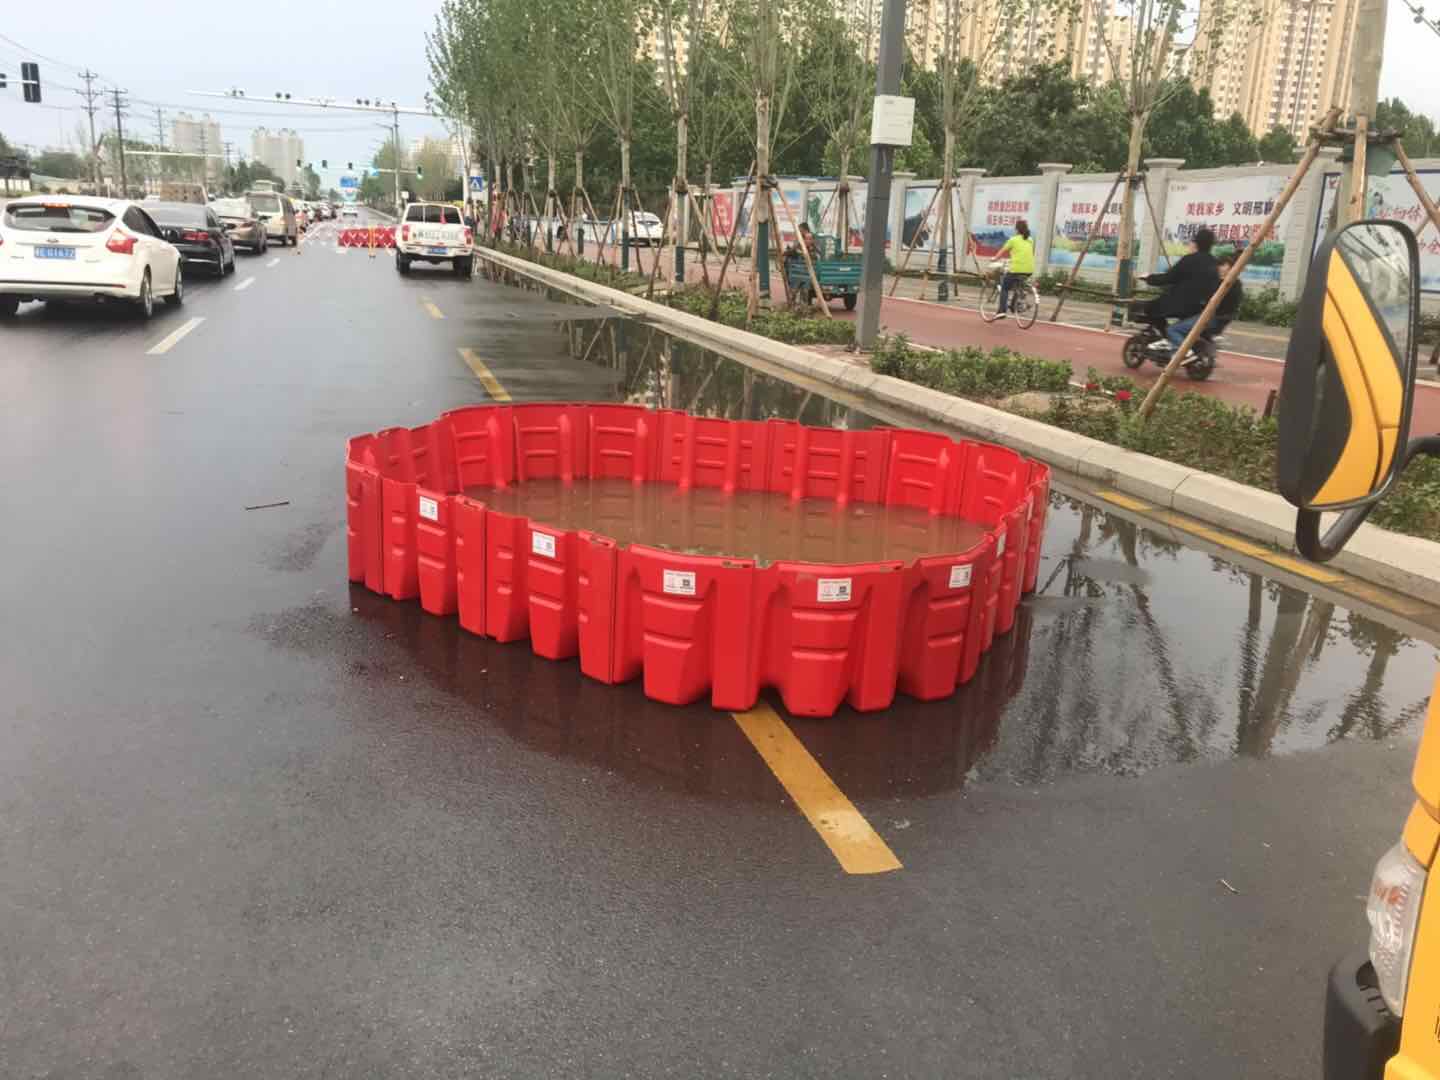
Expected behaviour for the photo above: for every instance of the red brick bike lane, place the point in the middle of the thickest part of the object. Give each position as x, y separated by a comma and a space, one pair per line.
1238, 378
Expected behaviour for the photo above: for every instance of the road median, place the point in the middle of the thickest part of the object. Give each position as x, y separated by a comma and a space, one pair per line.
1408, 564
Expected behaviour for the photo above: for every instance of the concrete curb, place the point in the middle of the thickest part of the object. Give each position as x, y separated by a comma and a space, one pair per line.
1407, 564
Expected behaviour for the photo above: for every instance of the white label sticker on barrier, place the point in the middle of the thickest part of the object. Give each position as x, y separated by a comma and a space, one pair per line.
835, 590
429, 508
542, 543
1000, 546
960, 576
679, 582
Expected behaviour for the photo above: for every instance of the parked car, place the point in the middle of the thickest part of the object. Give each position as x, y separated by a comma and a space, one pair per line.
197, 233
644, 228
75, 247
244, 225
434, 232
278, 213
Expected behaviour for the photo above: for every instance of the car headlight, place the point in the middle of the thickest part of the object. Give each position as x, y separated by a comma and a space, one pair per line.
1393, 909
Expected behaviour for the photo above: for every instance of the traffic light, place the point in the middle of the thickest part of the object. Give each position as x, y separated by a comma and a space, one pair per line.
299, 164
30, 80
419, 172
2, 80
350, 165
324, 163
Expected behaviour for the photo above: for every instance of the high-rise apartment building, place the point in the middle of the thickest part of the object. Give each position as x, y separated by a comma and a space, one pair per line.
189, 135
1286, 68
278, 151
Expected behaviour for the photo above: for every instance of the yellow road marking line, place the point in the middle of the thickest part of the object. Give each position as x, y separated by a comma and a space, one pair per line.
1125, 500
844, 829
1225, 540
487, 378
1245, 547
435, 312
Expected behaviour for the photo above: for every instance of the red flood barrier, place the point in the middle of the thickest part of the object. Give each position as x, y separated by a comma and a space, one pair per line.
427, 517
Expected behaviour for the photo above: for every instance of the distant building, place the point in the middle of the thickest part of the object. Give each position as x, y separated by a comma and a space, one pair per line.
454, 153
278, 151
1287, 70
189, 135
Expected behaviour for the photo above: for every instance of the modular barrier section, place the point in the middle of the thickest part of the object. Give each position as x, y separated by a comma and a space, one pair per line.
705, 556
375, 236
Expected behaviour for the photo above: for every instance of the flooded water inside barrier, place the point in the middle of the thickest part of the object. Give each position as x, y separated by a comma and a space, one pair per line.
759, 525
1135, 652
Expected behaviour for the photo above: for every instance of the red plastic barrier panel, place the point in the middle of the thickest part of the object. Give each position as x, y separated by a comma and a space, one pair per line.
1011, 551
925, 470
550, 442
435, 545
507, 613
362, 513
685, 622
944, 629
823, 463
830, 635
994, 479
597, 565
1039, 508
623, 442
482, 440
397, 532
704, 452
470, 553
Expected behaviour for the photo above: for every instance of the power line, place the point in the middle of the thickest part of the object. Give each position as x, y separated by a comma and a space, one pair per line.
48, 59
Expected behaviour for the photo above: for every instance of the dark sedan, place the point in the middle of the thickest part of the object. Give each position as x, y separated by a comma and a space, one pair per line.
245, 226
197, 233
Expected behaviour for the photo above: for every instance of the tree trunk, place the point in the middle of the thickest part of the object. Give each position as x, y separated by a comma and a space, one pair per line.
579, 170
842, 192
549, 223
624, 202
681, 205
760, 256
1124, 251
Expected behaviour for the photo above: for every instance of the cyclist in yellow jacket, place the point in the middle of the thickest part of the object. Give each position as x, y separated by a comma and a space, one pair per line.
1020, 250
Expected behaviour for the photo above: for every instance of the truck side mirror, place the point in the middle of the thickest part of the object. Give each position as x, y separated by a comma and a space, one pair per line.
1349, 381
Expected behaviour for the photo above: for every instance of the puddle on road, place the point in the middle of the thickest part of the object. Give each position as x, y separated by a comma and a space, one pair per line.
1136, 652
762, 525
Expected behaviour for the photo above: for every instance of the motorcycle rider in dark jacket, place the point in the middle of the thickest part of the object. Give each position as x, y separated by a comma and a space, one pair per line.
1188, 284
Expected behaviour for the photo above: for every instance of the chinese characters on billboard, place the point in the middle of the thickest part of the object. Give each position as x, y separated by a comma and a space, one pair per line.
997, 208
1391, 198
1234, 211
1076, 208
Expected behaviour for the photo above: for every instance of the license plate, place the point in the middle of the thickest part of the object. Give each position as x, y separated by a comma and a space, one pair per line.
437, 250
44, 252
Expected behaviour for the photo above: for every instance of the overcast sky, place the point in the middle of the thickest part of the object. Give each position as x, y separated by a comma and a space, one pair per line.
159, 49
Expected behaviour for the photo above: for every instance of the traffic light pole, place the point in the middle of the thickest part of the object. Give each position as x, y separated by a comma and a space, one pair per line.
395, 137
882, 167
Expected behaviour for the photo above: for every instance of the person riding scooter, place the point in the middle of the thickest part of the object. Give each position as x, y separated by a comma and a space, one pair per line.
1224, 313
1188, 285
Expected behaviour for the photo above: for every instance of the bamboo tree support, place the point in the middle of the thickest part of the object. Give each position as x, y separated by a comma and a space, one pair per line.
1431, 210
819, 294
730, 244
909, 250
945, 203
1356, 208
1095, 227
614, 227
664, 236
1242, 260
600, 240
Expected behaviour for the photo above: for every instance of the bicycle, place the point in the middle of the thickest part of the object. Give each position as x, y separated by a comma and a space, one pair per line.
1024, 299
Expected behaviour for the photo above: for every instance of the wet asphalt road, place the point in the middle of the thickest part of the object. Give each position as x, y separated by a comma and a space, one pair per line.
256, 822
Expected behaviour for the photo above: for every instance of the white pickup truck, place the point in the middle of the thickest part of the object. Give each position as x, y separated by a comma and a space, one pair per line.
434, 232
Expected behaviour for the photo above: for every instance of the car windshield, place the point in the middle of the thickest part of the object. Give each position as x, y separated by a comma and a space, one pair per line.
177, 213
266, 203
57, 218
231, 208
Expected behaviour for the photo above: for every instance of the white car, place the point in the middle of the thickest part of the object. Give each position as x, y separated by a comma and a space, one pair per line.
434, 232
644, 228
349, 211
74, 247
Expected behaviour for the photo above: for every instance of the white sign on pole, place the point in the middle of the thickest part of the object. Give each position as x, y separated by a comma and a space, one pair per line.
893, 121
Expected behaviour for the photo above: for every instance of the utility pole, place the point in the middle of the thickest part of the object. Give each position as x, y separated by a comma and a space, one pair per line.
1369, 47
204, 155
118, 96
882, 168
395, 135
160, 127
90, 94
